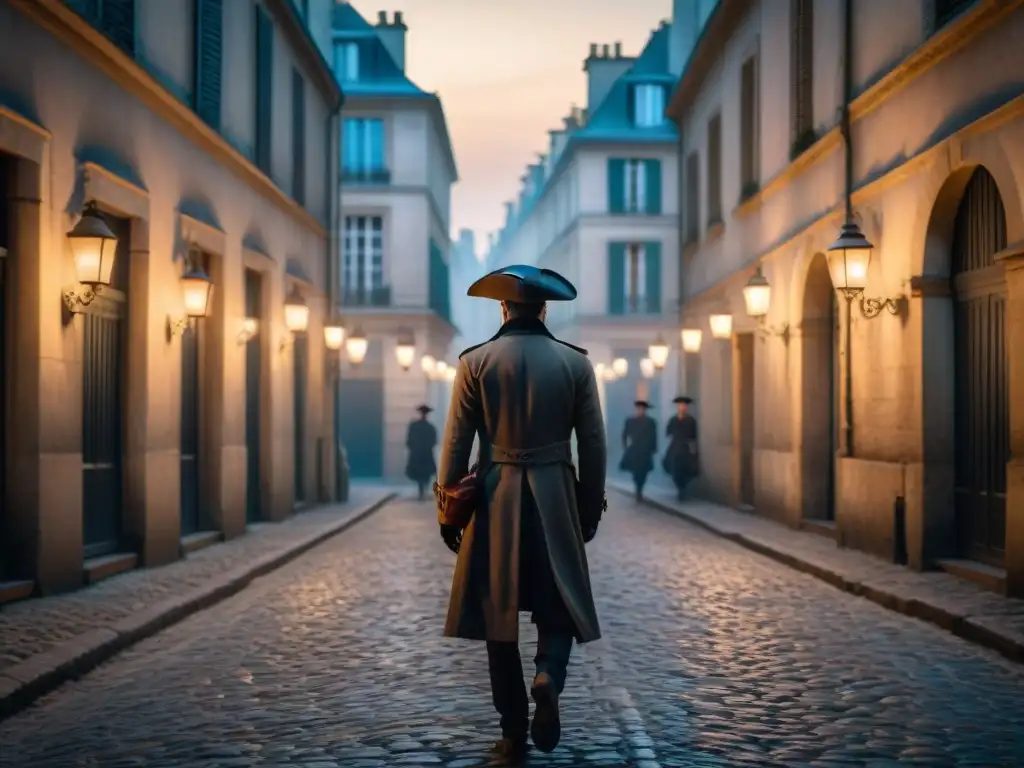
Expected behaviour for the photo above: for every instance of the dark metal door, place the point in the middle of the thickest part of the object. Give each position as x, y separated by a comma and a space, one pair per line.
189, 478
300, 360
981, 387
103, 367
253, 363
745, 416
360, 422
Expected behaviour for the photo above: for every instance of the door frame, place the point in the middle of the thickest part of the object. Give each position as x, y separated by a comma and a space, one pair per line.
744, 408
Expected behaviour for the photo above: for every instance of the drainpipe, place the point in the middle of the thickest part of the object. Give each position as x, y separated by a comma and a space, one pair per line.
681, 228
847, 134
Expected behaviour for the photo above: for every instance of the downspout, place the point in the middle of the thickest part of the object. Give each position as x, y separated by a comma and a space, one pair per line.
332, 271
681, 245
847, 134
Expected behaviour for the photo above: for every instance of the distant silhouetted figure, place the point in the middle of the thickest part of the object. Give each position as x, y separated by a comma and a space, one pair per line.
639, 444
421, 441
682, 459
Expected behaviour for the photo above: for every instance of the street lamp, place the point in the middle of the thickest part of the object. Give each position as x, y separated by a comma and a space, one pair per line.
196, 290
691, 338
620, 366
647, 368
440, 367
427, 364
757, 294
721, 326
296, 312
848, 261
405, 351
449, 374
93, 246
658, 352
334, 334
357, 345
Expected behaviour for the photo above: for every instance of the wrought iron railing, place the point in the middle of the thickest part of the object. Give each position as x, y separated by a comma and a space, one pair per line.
377, 296
365, 175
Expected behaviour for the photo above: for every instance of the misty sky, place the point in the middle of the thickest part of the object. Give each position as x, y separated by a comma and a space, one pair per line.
507, 73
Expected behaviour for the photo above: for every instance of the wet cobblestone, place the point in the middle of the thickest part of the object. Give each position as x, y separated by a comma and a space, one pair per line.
713, 656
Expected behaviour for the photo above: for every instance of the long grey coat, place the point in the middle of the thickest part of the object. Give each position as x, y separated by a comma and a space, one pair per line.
525, 393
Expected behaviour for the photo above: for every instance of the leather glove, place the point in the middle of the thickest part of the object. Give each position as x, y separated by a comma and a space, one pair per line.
452, 537
589, 532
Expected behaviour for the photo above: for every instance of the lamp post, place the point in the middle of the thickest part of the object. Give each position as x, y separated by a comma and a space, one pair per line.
93, 246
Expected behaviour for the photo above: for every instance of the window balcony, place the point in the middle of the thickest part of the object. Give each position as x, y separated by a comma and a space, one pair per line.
365, 176
638, 305
379, 296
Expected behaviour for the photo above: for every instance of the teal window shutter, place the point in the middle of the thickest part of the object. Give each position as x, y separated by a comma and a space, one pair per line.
298, 137
209, 55
616, 185
652, 274
117, 21
653, 175
616, 278
264, 87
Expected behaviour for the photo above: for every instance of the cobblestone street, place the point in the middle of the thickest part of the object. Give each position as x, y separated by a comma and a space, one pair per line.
713, 656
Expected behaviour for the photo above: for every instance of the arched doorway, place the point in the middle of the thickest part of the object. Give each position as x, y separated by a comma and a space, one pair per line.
981, 402
819, 362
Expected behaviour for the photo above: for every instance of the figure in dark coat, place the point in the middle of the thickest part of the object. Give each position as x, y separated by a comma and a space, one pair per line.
524, 393
682, 459
639, 444
420, 440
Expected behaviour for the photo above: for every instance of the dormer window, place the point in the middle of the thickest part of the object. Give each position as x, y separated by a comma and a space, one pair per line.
346, 62
648, 105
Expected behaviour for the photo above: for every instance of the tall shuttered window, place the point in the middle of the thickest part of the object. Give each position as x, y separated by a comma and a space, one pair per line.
802, 76
634, 186
264, 88
114, 18
209, 57
692, 197
750, 140
298, 137
634, 278
715, 170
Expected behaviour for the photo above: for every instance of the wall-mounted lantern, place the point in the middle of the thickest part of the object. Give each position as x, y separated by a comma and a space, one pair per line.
658, 352
427, 363
356, 346
250, 327
93, 246
647, 368
620, 366
848, 260
721, 326
334, 335
296, 312
405, 350
196, 290
440, 369
757, 295
449, 374
691, 339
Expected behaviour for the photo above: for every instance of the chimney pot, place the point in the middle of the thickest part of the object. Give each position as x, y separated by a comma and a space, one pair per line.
398, 18
593, 50
618, 50
382, 18
605, 51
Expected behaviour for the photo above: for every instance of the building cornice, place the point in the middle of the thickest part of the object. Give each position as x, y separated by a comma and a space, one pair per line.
73, 31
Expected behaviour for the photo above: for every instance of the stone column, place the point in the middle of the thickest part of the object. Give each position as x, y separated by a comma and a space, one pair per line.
1013, 261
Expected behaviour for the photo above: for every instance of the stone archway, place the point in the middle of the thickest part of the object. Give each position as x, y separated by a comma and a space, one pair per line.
818, 389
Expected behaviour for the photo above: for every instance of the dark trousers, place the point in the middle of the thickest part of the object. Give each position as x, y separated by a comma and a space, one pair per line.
639, 481
508, 689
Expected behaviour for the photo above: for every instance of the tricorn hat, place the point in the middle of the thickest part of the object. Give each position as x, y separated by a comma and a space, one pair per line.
683, 399
642, 404
523, 283
424, 409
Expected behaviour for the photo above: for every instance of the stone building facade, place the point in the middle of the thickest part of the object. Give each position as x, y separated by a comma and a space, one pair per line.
896, 427
206, 135
396, 179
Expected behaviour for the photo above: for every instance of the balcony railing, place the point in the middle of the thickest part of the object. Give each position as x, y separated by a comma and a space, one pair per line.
365, 176
379, 296
637, 305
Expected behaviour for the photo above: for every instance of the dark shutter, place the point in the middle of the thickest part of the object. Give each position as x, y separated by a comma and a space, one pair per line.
631, 104
652, 178
616, 185
117, 20
652, 277
209, 55
616, 278
802, 97
264, 87
298, 137
692, 197
715, 170
748, 127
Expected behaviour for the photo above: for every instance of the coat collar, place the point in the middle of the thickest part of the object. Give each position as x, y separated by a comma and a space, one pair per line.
524, 325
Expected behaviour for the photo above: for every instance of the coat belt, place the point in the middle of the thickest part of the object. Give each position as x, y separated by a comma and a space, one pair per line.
556, 453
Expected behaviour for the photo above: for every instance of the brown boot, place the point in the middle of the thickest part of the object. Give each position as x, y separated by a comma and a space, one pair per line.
512, 749
546, 728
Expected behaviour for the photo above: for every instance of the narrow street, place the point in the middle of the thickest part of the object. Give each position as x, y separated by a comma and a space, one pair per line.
713, 656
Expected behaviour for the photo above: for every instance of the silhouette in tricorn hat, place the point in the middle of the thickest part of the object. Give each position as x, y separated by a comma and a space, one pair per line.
421, 440
682, 459
639, 444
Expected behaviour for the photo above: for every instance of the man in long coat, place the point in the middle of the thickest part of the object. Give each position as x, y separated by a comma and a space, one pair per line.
420, 440
639, 444
524, 392
682, 459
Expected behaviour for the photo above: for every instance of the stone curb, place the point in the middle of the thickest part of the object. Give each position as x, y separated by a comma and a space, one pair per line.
24, 683
972, 629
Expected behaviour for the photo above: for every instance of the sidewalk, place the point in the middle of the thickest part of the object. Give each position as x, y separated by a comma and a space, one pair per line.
46, 641
961, 607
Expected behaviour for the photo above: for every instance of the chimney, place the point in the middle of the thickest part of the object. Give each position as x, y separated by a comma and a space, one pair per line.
682, 35
392, 35
602, 72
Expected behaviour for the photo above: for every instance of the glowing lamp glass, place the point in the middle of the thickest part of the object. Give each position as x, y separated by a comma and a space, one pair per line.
93, 246
620, 366
405, 354
757, 295
296, 312
721, 326
334, 336
196, 290
427, 363
449, 374
658, 352
357, 345
647, 367
691, 338
848, 260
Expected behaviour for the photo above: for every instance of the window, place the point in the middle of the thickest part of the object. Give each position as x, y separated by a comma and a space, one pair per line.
264, 88
346, 62
634, 278
363, 150
298, 137
636, 281
648, 105
802, 76
749, 133
692, 198
114, 18
715, 170
635, 186
209, 23
363, 258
